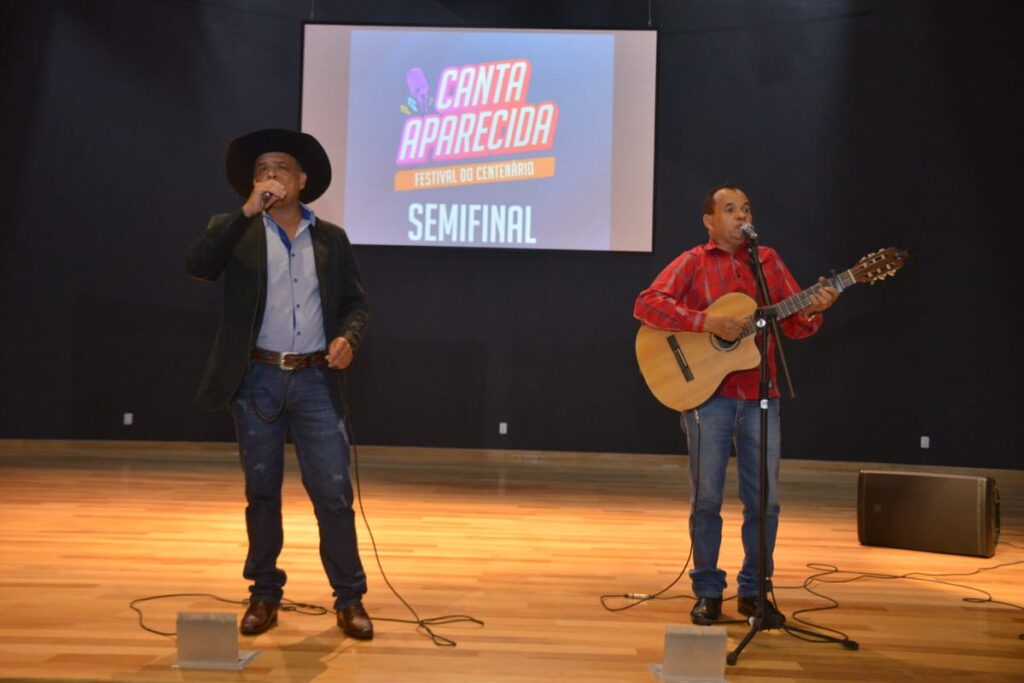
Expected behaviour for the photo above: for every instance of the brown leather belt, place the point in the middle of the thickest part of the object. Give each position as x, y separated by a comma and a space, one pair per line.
289, 360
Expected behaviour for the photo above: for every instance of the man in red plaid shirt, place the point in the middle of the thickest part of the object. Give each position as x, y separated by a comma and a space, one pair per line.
678, 300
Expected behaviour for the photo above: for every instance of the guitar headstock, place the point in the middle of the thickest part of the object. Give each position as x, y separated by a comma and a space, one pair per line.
878, 265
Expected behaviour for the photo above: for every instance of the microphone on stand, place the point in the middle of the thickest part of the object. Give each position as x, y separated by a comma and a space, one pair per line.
748, 231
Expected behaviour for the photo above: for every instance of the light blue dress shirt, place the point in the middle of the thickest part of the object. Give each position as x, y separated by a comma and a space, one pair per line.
292, 318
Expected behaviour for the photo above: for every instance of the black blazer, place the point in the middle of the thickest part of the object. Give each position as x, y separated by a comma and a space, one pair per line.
237, 246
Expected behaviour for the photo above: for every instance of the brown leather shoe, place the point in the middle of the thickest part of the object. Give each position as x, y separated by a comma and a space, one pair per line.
355, 622
258, 618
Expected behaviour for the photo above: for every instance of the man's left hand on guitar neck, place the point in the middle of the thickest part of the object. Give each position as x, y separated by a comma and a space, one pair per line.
820, 300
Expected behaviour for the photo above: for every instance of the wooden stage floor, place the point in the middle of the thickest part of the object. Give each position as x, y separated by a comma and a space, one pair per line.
525, 542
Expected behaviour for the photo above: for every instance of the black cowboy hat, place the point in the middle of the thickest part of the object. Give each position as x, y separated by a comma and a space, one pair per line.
243, 152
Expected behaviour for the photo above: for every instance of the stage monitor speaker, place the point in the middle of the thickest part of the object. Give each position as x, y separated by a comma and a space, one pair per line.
941, 513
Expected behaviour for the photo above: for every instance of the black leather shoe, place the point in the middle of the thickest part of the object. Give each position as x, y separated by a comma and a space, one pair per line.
706, 611
355, 622
258, 618
773, 618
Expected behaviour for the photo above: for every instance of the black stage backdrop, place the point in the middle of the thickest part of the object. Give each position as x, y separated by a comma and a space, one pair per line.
852, 126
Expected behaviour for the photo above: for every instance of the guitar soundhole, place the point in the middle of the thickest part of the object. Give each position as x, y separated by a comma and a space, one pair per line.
723, 344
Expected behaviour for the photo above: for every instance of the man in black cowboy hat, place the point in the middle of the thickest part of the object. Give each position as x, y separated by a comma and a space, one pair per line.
294, 314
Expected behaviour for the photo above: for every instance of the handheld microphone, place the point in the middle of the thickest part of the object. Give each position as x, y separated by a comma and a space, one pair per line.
265, 196
748, 231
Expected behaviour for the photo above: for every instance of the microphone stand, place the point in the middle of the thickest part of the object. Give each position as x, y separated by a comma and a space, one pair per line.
764, 315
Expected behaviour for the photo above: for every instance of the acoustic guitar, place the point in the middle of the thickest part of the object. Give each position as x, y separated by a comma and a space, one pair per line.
683, 369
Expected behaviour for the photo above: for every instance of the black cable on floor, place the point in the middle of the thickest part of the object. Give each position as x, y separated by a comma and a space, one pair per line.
844, 576
421, 623
286, 606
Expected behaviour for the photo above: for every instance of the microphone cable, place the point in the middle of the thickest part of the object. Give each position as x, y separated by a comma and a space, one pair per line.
640, 598
824, 570
420, 622
286, 606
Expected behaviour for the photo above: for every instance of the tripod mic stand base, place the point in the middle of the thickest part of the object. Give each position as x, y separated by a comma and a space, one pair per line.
770, 622
814, 636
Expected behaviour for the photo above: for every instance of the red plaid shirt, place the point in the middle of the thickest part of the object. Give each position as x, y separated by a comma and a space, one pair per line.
678, 297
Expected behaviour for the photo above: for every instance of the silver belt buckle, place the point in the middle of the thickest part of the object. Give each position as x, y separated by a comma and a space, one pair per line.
284, 359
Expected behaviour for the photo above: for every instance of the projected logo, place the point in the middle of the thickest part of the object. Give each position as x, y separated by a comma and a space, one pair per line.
419, 100
477, 111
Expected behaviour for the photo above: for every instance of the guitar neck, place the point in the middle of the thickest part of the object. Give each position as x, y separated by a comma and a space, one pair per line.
800, 301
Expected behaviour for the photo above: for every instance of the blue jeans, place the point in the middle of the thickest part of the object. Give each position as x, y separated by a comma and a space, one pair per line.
726, 423
304, 400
